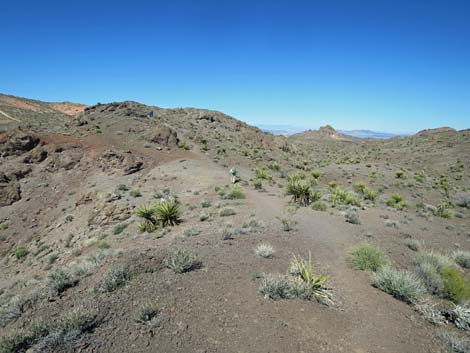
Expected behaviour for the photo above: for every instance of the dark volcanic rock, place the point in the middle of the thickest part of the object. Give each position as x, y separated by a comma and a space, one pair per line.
165, 136
9, 190
17, 144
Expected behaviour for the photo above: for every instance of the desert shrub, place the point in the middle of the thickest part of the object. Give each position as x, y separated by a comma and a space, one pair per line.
115, 278
429, 312
430, 277
275, 287
262, 175
273, 166
400, 284
366, 257
396, 201
370, 194
48, 336
60, 280
315, 195
429, 267
206, 204
227, 212
443, 210
460, 316
264, 250
342, 197
181, 261
150, 223
287, 224
316, 173
413, 244
21, 252
456, 287
359, 187
235, 193
258, 184
119, 228
454, 343
319, 206
122, 187
135, 193
167, 212
300, 192
147, 314
303, 271
462, 258
463, 200
400, 174
352, 217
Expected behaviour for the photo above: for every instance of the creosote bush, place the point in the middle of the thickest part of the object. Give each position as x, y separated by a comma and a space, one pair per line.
181, 261
366, 257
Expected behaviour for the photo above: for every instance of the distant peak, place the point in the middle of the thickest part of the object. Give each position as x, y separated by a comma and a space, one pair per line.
438, 130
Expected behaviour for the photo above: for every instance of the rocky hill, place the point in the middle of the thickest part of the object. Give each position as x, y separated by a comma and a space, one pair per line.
120, 231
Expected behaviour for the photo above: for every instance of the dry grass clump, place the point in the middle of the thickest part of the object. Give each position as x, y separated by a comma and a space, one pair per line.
264, 250
115, 278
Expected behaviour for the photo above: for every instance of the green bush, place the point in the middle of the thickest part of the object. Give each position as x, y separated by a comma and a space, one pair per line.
258, 184
396, 201
342, 197
300, 192
21, 252
319, 206
235, 193
366, 257
59, 280
227, 212
456, 287
167, 212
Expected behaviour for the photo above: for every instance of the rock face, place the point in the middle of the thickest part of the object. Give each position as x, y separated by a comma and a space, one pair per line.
17, 144
165, 136
128, 163
10, 191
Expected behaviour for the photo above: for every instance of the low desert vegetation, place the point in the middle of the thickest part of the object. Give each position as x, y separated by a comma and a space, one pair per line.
161, 214
454, 343
367, 257
400, 284
59, 280
413, 244
264, 250
115, 278
235, 192
300, 283
181, 261
462, 258
51, 335
342, 197
352, 217
396, 201
148, 314
226, 212
300, 192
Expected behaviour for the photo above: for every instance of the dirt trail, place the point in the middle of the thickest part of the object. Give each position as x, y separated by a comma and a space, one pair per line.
375, 322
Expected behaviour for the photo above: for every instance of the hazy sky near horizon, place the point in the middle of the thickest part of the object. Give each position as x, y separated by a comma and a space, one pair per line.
395, 66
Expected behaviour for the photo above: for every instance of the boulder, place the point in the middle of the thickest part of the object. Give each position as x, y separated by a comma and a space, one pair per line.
17, 144
165, 136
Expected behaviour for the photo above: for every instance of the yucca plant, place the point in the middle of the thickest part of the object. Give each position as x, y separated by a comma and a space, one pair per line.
167, 212
150, 223
303, 270
300, 192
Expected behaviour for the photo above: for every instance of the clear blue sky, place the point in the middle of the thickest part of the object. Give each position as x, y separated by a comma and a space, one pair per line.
397, 66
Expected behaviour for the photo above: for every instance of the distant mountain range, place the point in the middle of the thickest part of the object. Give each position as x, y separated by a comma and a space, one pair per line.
290, 130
